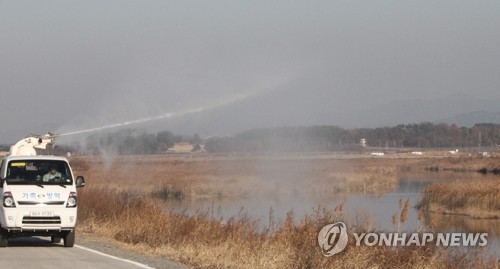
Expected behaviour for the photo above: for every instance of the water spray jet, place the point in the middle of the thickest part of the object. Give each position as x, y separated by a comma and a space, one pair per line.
168, 115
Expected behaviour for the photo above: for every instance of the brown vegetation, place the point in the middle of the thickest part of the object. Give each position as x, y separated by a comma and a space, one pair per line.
200, 241
186, 177
119, 202
477, 199
454, 164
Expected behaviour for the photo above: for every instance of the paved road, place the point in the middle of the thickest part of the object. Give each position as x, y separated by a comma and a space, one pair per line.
40, 253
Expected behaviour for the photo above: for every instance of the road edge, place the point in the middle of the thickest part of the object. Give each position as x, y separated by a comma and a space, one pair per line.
114, 257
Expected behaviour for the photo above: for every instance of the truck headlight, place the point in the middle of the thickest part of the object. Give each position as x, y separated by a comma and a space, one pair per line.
8, 200
71, 200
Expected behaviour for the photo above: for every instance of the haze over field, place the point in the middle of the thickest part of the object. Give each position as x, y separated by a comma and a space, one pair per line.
67, 66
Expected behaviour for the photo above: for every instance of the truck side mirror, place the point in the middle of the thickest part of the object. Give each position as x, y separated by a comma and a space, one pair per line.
80, 181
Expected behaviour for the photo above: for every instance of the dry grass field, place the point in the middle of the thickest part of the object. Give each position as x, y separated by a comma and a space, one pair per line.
237, 177
474, 199
123, 201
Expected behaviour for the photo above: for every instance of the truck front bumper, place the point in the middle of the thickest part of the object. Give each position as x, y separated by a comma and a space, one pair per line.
38, 219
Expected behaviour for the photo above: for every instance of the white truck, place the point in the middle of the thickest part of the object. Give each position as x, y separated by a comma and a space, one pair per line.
38, 193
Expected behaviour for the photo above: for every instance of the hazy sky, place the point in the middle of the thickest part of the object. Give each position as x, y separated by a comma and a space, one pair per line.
69, 65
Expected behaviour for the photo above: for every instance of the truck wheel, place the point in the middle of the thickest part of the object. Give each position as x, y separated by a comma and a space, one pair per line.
69, 239
55, 239
3, 241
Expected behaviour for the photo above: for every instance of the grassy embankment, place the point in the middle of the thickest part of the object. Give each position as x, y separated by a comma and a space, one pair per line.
118, 203
478, 199
475, 193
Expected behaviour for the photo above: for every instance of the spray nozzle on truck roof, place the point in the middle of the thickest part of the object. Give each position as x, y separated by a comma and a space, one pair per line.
28, 145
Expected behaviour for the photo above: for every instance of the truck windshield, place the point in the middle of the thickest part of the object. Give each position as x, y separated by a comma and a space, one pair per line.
38, 172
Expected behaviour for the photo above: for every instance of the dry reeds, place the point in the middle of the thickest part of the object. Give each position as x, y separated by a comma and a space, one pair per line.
117, 203
478, 199
200, 241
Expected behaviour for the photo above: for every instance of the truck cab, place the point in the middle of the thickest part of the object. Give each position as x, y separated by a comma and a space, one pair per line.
38, 198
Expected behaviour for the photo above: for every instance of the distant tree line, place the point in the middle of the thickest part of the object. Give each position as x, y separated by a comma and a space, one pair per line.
328, 138
291, 139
